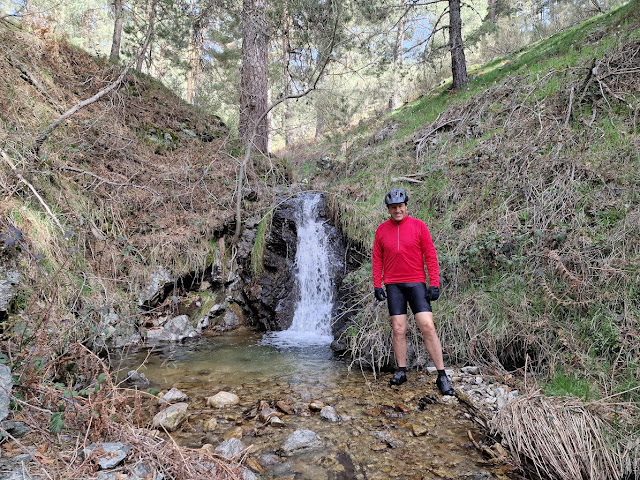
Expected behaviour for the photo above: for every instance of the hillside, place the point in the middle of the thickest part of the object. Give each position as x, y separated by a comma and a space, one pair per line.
528, 180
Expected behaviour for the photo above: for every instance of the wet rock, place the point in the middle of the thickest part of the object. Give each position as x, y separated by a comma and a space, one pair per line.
249, 475
174, 395
210, 425
137, 379
254, 464
301, 440
230, 448
277, 422
174, 330
223, 399
329, 414
107, 454
6, 384
418, 430
171, 417
233, 433
285, 407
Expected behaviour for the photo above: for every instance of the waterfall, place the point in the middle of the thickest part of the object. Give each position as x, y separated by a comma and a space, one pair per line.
315, 267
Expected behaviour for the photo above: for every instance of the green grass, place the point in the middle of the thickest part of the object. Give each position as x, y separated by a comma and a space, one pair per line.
562, 385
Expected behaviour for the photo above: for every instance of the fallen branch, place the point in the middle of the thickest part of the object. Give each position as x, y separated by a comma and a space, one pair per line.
32, 188
104, 180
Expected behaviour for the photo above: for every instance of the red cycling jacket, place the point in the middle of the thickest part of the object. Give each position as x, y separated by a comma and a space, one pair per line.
400, 252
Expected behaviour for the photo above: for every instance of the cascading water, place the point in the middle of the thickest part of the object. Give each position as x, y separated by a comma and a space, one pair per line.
315, 267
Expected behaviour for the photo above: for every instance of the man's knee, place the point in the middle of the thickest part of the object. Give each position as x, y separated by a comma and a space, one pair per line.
399, 326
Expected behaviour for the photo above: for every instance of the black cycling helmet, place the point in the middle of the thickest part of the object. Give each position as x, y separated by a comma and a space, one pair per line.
396, 196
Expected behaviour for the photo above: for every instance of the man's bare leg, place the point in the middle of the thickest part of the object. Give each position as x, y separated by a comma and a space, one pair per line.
430, 336
399, 341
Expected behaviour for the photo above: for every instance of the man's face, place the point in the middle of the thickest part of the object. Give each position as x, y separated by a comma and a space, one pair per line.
398, 211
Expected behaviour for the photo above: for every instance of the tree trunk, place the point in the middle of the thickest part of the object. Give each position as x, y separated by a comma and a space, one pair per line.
150, 29
195, 46
253, 75
286, 79
114, 56
492, 7
397, 58
458, 61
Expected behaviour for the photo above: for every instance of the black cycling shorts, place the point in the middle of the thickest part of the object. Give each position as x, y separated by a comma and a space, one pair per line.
398, 294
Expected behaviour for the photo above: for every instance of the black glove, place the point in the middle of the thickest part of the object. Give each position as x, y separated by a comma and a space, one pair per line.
433, 293
379, 293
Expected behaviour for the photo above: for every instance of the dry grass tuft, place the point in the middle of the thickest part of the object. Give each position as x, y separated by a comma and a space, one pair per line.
566, 439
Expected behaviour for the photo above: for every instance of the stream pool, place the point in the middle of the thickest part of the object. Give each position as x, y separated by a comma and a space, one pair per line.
382, 433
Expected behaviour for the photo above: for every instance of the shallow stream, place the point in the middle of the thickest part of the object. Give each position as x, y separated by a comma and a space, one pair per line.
383, 432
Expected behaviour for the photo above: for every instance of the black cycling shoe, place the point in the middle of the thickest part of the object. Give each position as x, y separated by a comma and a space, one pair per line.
398, 379
444, 384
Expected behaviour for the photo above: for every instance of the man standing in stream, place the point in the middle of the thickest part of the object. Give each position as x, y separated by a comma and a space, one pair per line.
401, 249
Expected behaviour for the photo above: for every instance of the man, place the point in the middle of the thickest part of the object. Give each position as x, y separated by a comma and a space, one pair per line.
401, 248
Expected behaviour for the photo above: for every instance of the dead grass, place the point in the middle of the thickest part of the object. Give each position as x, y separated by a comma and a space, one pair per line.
67, 417
565, 439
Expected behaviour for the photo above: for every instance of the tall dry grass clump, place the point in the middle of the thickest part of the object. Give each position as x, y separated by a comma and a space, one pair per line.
567, 439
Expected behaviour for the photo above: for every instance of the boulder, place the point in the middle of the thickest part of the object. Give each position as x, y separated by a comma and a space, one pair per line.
171, 417
159, 280
173, 330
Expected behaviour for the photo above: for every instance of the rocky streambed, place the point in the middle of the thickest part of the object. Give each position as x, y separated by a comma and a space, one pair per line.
301, 414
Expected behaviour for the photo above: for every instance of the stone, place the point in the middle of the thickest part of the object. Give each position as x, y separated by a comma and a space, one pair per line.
301, 440
108, 454
174, 330
135, 378
223, 399
230, 448
471, 370
329, 413
418, 430
151, 294
316, 406
254, 464
277, 422
210, 425
233, 433
19, 474
174, 395
249, 475
285, 407
6, 384
16, 429
171, 417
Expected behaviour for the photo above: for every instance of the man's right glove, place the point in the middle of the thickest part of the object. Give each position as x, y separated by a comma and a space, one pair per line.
433, 293
379, 293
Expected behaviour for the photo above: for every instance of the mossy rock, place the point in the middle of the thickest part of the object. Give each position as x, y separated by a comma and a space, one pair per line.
162, 139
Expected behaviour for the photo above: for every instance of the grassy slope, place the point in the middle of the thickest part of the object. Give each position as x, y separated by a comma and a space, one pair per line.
529, 184
136, 179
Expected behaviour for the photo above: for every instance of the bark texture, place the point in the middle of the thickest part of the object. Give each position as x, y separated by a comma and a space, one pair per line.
114, 56
254, 87
458, 61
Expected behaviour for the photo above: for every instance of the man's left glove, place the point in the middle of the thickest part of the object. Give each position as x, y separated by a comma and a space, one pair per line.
433, 293
379, 293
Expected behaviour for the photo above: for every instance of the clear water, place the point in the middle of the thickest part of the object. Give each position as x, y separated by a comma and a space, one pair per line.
374, 440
